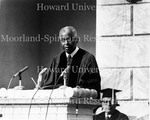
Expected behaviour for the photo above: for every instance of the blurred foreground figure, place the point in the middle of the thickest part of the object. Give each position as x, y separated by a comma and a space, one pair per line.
109, 104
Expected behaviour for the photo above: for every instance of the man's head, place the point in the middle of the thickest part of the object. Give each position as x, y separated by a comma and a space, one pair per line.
109, 102
68, 38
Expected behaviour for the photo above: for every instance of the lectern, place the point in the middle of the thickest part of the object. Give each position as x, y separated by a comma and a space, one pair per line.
20, 105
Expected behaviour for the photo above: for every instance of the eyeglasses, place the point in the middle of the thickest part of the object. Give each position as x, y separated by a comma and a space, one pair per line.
70, 40
106, 101
109, 101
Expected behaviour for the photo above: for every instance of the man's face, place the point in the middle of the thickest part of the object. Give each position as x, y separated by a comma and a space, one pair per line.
107, 105
68, 42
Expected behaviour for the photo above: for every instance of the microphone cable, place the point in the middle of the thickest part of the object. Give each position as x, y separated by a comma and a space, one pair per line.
10, 82
31, 102
53, 90
7, 93
51, 95
33, 98
48, 98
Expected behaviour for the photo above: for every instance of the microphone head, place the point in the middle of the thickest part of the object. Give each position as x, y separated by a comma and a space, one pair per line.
21, 71
27, 67
65, 70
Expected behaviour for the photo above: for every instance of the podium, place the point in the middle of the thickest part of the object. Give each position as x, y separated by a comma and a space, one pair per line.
20, 104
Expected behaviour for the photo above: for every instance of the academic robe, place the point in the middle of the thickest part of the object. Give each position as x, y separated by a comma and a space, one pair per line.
115, 116
84, 71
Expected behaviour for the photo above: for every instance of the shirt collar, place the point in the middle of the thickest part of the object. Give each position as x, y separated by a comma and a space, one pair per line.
74, 52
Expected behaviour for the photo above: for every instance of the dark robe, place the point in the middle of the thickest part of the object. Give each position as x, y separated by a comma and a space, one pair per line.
84, 71
115, 116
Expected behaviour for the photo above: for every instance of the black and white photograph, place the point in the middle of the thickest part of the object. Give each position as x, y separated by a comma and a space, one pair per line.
74, 59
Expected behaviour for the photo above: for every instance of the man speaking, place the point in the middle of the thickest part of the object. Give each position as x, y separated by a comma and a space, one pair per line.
81, 66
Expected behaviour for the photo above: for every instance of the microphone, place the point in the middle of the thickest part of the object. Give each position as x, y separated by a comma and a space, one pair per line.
16, 75
21, 71
65, 70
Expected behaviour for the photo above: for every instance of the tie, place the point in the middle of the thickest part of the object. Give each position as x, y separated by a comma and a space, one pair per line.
69, 60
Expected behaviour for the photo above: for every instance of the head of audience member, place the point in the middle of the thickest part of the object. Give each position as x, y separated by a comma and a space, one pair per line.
109, 101
68, 38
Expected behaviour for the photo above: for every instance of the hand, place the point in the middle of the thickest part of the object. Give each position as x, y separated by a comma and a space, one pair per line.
37, 87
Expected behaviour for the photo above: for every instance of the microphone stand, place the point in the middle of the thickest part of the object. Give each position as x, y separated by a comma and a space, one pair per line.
65, 79
64, 86
20, 79
19, 87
